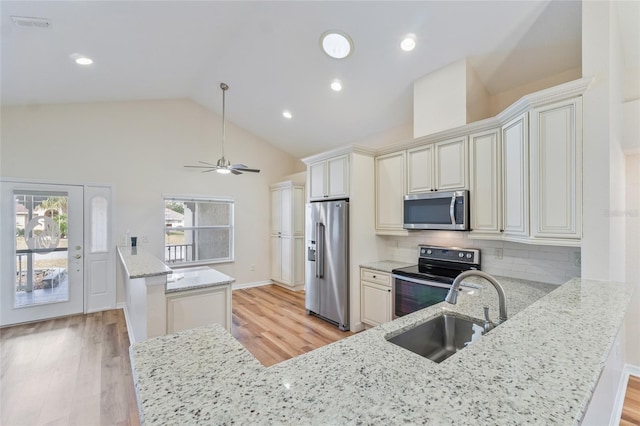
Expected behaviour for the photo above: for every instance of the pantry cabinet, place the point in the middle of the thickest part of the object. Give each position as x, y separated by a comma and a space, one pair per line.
390, 190
442, 166
329, 179
556, 170
375, 287
287, 234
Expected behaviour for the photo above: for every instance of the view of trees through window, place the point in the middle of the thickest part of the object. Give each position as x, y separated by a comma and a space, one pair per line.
198, 230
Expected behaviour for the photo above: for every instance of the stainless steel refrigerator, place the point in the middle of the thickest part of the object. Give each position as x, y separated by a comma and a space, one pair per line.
327, 266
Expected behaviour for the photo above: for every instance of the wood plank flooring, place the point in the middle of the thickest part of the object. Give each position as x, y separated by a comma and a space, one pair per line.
631, 409
67, 371
271, 322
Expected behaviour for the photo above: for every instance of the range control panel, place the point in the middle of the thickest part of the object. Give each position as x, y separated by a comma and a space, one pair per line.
450, 254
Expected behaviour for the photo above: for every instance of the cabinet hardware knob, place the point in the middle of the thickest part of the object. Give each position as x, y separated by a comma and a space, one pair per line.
502, 230
389, 291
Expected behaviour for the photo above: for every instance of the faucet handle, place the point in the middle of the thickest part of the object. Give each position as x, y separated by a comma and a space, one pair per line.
488, 324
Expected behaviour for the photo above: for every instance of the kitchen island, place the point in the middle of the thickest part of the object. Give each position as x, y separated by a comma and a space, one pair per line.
539, 367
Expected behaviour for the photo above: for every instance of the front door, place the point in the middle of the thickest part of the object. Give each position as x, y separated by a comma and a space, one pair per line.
41, 251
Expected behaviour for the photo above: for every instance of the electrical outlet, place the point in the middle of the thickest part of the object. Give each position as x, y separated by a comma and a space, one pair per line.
498, 253
577, 259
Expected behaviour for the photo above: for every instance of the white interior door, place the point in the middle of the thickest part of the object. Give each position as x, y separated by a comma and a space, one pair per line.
41, 251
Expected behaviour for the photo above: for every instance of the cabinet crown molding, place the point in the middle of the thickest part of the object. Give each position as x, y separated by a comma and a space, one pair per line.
349, 149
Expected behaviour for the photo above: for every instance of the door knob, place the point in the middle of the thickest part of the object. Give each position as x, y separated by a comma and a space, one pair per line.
77, 256
78, 247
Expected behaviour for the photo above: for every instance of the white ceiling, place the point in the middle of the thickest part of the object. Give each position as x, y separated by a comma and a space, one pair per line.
268, 52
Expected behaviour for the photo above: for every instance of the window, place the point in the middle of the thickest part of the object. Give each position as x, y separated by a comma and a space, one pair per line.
198, 230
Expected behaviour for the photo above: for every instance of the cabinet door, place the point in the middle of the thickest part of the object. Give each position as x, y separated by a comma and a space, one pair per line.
556, 170
420, 169
317, 175
285, 259
298, 210
376, 303
195, 308
338, 177
297, 260
286, 211
451, 164
390, 181
485, 182
276, 211
276, 258
515, 176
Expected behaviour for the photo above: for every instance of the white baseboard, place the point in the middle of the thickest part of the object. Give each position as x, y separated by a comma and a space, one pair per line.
629, 370
240, 286
123, 306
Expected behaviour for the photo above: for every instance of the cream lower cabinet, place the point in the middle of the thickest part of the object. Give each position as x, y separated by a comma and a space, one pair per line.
390, 190
375, 293
194, 308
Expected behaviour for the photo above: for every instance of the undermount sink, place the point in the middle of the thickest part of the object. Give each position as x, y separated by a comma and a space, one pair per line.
440, 337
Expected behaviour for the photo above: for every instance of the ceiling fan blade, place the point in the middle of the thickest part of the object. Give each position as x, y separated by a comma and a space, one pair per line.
244, 168
235, 172
210, 170
204, 162
201, 167
239, 166
251, 170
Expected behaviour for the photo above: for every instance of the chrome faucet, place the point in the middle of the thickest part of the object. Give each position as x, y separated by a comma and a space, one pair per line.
452, 296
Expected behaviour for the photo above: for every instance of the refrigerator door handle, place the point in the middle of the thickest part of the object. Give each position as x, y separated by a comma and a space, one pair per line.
319, 250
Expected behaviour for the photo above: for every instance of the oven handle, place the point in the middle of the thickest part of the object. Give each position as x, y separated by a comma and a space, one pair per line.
433, 283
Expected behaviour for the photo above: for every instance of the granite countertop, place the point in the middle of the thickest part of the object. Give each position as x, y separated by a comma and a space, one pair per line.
541, 367
385, 265
194, 278
138, 263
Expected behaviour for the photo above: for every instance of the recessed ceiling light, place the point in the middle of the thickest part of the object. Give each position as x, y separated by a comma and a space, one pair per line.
336, 44
81, 59
409, 43
286, 114
336, 85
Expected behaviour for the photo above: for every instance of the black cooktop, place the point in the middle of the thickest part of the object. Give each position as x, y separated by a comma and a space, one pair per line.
429, 272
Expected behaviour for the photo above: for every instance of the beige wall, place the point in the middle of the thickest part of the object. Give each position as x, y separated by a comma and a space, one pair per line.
141, 148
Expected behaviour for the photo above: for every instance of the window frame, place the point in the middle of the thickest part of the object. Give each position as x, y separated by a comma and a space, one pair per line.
201, 199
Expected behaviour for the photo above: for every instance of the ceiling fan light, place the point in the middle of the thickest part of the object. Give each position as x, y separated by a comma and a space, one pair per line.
223, 171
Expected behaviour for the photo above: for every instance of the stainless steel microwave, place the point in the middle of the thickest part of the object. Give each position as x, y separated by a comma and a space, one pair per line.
437, 210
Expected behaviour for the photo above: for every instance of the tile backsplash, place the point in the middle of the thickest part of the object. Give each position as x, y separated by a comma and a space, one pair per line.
549, 264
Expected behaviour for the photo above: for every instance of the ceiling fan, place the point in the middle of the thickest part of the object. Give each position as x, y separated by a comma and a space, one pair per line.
223, 165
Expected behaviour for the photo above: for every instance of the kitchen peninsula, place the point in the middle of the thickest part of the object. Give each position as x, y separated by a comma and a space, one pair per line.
541, 366
162, 300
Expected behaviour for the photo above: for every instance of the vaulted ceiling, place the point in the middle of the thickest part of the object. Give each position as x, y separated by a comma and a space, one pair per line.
269, 54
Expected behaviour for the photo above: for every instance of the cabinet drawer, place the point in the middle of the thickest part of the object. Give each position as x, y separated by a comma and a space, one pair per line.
377, 277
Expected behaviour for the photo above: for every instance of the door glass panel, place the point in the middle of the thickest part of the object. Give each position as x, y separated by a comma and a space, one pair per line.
99, 225
41, 248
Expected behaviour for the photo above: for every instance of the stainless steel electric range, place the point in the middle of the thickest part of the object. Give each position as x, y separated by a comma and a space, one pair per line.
427, 283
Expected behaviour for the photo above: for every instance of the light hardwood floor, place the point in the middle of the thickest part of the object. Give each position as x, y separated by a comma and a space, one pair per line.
271, 322
631, 410
67, 371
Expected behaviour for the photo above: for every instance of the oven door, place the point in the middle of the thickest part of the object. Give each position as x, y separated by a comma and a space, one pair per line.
410, 294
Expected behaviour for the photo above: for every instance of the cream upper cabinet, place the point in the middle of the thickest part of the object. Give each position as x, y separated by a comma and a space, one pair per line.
329, 179
451, 164
515, 176
420, 169
556, 170
390, 190
441, 166
485, 183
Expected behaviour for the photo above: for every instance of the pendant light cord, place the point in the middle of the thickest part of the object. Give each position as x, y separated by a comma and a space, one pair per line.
224, 88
